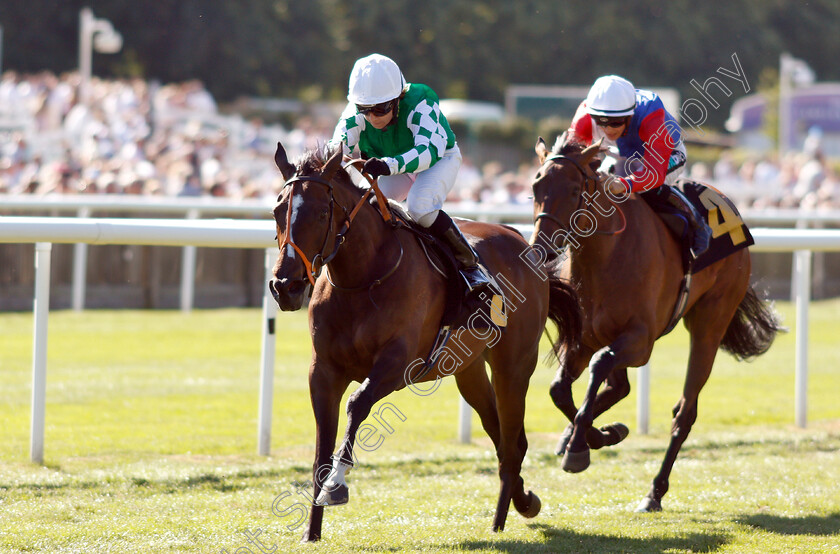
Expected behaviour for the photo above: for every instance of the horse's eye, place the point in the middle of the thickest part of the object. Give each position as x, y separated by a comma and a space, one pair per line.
323, 215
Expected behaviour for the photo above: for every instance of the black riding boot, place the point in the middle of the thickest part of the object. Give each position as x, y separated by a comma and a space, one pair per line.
701, 233
666, 198
445, 229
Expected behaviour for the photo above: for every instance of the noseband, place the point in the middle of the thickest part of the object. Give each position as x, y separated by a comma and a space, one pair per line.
314, 267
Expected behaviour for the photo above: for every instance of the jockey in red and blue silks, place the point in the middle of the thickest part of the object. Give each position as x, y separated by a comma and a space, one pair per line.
649, 141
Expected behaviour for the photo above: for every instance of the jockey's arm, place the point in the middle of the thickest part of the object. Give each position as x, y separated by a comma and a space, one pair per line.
348, 130
580, 129
653, 165
429, 141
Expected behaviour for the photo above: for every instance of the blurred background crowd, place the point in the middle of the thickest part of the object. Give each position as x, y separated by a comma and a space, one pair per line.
133, 137
143, 138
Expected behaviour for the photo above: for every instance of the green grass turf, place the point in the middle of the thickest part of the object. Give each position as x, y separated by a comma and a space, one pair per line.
151, 432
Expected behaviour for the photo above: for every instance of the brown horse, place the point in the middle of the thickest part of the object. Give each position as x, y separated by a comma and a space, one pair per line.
627, 268
377, 309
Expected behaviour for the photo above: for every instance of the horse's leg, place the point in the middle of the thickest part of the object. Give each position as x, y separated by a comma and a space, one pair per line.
511, 373
560, 390
476, 389
386, 376
630, 346
617, 388
325, 391
685, 414
707, 323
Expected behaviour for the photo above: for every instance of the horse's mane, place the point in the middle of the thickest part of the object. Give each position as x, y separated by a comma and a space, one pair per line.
565, 148
311, 161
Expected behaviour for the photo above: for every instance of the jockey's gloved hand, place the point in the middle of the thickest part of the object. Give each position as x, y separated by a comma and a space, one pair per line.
376, 167
618, 186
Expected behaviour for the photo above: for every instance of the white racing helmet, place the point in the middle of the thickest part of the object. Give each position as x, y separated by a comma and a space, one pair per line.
375, 79
611, 96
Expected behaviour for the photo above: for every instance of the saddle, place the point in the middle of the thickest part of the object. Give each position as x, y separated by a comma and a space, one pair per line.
439, 257
729, 233
457, 309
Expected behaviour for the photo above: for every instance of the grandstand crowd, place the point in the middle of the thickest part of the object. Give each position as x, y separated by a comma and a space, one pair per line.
138, 137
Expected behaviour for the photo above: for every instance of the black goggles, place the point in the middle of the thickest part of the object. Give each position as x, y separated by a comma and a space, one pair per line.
376, 109
614, 122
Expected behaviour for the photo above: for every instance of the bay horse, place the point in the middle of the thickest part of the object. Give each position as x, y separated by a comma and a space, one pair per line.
377, 309
628, 269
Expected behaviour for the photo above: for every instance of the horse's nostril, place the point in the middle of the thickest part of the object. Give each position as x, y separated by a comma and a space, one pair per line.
297, 287
286, 287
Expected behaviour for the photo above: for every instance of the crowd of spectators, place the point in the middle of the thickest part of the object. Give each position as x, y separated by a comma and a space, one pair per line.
137, 137
132, 137
800, 180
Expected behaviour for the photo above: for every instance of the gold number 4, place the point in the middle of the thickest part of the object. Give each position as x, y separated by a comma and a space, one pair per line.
722, 218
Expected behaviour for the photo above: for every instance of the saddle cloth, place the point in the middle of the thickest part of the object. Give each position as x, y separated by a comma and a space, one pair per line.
729, 232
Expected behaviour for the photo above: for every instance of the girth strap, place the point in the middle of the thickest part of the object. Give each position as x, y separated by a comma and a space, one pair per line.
682, 299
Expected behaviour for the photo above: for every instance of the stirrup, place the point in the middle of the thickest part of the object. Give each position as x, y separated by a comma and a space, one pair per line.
485, 295
700, 241
476, 279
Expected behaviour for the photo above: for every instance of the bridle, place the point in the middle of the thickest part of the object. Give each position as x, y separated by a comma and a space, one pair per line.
587, 179
319, 261
313, 267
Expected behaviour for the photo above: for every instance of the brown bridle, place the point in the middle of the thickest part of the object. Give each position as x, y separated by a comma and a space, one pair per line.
314, 267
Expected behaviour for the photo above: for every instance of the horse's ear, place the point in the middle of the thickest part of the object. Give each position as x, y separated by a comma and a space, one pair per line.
287, 170
590, 151
541, 149
332, 164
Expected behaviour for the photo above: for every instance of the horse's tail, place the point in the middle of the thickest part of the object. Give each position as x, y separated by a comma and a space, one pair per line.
564, 310
753, 327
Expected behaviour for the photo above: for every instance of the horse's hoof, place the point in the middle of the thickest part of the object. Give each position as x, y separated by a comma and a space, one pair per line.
648, 505
335, 496
533, 508
614, 433
564, 441
575, 462
608, 435
498, 526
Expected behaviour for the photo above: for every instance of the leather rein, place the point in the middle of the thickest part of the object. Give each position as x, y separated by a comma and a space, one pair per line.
319, 261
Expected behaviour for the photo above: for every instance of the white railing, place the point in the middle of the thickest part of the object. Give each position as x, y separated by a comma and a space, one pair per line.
194, 208
44, 231
520, 213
